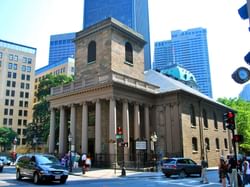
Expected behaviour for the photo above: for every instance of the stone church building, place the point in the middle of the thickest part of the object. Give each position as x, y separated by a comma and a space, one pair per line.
112, 90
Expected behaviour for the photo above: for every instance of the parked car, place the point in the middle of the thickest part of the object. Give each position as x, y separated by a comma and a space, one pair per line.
40, 167
5, 160
1, 166
180, 166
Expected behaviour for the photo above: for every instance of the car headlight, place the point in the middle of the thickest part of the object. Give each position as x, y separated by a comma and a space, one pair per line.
44, 172
65, 172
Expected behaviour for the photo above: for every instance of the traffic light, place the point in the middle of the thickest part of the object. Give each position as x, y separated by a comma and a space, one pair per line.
229, 118
238, 138
119, 131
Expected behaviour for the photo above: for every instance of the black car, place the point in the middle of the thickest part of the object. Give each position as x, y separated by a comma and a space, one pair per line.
180, 166
40, 167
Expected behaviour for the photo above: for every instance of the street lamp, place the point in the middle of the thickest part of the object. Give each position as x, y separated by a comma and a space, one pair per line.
154, 140
70, 162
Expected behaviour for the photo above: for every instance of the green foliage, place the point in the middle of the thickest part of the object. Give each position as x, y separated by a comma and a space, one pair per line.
242, 119
7, 136
39, 128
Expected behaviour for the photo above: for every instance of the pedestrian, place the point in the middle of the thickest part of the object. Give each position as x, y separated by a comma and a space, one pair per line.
204, 166
222, 171
232, 166
84, 158
245, 171
88, 163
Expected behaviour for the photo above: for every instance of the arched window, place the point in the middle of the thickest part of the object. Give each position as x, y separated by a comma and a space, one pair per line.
192, 115
217, 143
205, 118
194, 144
207, 144
92, 52
215, 121
225, 143
128, 53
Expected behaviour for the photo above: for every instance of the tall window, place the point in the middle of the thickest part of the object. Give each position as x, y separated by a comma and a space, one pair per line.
207, 144
192, 115
194, 144
225, 143
217, 143
205, 118
215, 121
92, 52
128, 53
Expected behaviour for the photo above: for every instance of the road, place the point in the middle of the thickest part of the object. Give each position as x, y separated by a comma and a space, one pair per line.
7, 178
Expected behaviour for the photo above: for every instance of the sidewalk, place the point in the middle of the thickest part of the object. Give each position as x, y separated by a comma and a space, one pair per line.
97, 173
112, 173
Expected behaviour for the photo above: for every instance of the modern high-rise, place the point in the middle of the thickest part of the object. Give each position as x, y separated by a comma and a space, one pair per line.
17, 70
61, 47
190, 50
245, 93
133, 13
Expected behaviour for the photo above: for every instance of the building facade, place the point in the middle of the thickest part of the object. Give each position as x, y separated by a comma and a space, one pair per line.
61, 47
111, 90
17, 69
245, 93
65, 67
190, 50
133, 13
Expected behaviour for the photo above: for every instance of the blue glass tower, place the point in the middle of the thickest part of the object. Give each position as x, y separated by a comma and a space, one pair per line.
61, 47
133, 13
188, 49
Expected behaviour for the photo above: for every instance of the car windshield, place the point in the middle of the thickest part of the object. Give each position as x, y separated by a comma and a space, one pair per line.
169, 161
47, 160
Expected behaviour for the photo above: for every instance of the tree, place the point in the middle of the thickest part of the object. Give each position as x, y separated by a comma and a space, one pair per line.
7, 136
39, 128
242, 119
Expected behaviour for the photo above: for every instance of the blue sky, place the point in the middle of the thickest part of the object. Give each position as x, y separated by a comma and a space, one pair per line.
31, 22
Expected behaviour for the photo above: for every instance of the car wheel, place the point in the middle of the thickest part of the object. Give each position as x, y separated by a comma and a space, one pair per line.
167, 175
36, 179
62, 181
18, 175
182, 174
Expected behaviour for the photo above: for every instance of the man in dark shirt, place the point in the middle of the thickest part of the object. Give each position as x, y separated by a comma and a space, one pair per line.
232, 165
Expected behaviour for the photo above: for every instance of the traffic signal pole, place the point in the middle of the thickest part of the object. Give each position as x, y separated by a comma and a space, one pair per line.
234, 145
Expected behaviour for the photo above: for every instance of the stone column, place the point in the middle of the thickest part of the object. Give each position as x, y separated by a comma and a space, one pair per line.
73, 126
147, 129
112, 127
98, 127
125, 124
84, 128
62, 145
136, 121
52, 131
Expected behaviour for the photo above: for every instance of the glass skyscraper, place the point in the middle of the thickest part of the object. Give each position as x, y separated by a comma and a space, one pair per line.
61, 47
188, 49
133, 13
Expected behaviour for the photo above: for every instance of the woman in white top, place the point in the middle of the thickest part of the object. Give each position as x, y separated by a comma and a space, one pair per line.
246, 171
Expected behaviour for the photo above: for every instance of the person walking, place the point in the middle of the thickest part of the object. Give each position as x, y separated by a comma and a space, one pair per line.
204, 166
84, 158
245, 171
232, 166
222, 171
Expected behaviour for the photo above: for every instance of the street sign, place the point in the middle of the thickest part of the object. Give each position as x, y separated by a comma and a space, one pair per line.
141, 145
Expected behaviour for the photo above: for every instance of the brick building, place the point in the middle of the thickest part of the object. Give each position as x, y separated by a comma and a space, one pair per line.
112, 90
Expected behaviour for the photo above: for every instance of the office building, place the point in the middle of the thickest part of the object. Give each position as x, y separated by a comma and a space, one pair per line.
65, 67
61, 47
112, 91
190, 50
17, 70
133, 13
245, 93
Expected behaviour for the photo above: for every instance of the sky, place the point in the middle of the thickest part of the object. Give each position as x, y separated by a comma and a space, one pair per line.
31, 22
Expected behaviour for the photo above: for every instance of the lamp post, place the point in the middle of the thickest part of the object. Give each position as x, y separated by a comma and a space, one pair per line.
70, 161
154, 140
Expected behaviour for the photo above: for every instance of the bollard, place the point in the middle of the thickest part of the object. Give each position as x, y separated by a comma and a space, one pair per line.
123, 171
